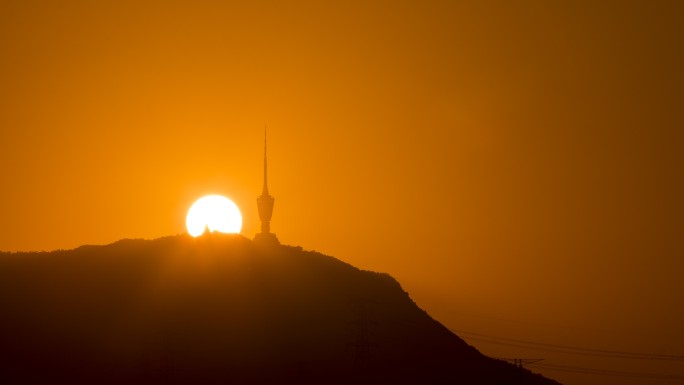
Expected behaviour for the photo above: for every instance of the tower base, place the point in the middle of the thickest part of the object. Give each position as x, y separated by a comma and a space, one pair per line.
266, 239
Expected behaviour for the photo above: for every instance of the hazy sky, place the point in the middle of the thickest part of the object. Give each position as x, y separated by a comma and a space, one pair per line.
517, 166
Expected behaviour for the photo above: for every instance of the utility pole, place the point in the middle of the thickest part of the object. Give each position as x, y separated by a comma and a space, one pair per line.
156, 362
520, 363
361, 345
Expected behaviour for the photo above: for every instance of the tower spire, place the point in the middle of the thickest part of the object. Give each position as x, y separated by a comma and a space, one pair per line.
265, 205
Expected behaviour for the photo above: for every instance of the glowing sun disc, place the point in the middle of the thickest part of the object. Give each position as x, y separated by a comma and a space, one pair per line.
216, 212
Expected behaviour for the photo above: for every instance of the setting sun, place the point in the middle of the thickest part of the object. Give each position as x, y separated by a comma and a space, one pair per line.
216, 212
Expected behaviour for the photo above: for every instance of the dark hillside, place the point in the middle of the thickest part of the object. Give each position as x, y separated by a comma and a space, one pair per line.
219, 309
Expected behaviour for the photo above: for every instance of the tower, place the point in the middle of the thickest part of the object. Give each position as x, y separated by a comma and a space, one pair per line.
265, 205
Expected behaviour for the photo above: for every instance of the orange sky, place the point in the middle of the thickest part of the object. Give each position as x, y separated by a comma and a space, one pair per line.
518, 167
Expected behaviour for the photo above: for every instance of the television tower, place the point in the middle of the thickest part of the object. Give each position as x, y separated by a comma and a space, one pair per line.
265, 205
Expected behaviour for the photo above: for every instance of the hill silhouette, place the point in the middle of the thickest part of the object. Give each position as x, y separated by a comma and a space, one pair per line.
220, 309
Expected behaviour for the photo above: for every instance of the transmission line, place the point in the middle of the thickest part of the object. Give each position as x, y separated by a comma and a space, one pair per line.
567, 349
605, 372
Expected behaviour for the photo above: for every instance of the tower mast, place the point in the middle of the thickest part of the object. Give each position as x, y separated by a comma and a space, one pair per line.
265, 190
265, 205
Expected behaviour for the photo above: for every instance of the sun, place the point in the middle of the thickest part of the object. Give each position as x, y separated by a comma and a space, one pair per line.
216, 212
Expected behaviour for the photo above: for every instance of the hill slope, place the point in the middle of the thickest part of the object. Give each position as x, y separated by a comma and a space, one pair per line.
216, 310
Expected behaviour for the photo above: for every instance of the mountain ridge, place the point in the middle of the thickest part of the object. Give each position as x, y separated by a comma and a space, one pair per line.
221, 309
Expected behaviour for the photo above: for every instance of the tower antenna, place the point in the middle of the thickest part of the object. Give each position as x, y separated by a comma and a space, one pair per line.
265, 191
265, 205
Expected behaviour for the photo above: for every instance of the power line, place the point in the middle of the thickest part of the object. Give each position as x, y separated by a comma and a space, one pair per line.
558, 350
567, 349
580, 351
605, 372
532, 347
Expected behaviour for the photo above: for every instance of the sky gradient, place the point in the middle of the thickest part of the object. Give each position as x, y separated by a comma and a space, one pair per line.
517, 167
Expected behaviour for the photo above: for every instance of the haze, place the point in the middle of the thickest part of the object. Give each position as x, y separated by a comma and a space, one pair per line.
518, 167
